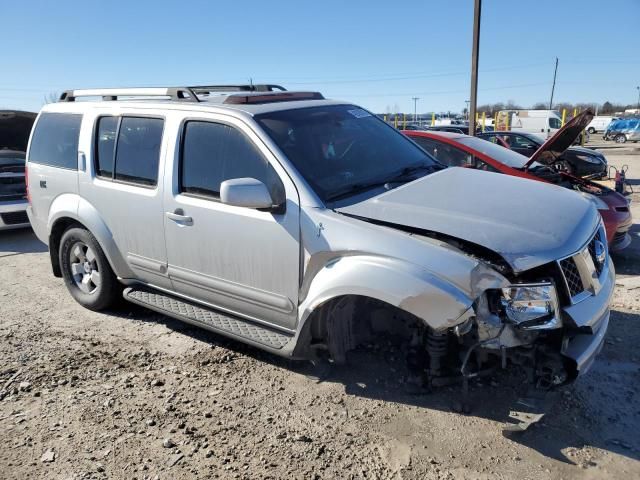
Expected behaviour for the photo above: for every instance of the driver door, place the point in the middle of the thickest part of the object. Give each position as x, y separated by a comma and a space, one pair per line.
241, 260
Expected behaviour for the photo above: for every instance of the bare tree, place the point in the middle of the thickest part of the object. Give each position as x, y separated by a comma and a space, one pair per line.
51, 97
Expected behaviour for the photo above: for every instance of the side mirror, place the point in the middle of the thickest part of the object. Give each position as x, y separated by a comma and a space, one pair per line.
245, 192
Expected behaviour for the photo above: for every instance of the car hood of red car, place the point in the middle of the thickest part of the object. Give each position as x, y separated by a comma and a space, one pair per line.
527, 223
550, 151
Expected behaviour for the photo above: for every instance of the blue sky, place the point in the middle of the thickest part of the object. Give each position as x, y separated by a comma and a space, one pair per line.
375, 53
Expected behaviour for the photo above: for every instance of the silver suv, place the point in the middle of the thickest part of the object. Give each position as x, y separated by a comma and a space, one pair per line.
307, 227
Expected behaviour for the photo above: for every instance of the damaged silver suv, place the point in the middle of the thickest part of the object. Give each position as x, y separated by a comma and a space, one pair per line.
308, 227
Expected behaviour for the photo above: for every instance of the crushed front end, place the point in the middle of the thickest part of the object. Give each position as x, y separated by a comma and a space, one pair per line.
551, 321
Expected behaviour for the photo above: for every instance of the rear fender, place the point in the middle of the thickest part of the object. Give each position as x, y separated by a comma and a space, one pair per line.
71, 206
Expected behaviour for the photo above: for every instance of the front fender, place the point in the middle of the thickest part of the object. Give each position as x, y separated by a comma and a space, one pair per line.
77, 208
407, 286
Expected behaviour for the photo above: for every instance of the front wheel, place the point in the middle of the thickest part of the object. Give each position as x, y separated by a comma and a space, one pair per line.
620, 139
86, 271
591, 130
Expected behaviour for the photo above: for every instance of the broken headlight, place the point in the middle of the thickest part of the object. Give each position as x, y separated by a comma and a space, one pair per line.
531, 306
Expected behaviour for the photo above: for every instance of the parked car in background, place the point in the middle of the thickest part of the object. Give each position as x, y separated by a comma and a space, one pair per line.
308, 227
473, 152
578, 161
599, 124
15, 127
623, 130
545, 122
455, 128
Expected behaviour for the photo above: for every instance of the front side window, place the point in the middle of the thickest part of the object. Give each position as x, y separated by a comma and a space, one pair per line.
445, 153
554, 122
214, 152
342, 150
55, 140
128, 149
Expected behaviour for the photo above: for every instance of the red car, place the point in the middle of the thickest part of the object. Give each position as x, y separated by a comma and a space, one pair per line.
460, 150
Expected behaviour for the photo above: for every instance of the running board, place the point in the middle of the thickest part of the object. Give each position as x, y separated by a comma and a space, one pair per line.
207, 318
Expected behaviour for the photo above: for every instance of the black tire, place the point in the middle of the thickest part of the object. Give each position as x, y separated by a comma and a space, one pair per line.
620, 139
591, 130
90, 293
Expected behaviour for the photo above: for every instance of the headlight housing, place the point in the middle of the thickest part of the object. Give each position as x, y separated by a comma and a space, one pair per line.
531, 306
589, 158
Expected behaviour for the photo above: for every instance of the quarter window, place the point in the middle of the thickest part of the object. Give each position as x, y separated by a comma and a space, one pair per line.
213, 153
135, 154
55, 140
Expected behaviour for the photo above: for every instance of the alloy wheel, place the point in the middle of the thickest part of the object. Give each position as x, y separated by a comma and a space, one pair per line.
84, 268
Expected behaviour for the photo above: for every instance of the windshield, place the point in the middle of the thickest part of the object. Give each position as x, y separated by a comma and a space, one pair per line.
342, 149
501, 154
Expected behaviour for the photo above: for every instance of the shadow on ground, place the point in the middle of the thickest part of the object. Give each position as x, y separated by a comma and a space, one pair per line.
17, 242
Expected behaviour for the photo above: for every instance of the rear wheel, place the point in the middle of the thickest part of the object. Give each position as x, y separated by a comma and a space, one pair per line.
86, 271
591, 130
620, 139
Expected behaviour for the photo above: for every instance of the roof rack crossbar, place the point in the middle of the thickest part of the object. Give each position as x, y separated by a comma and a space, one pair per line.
238, 88
183, 94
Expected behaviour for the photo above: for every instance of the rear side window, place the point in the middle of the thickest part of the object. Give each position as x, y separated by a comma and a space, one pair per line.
213, 153
106, 145
128, 149
55, 140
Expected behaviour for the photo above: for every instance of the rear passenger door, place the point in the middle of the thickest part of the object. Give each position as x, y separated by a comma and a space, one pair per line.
238, 259
124, 185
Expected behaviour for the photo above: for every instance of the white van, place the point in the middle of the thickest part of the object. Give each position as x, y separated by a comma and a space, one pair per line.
546, 122
600, 124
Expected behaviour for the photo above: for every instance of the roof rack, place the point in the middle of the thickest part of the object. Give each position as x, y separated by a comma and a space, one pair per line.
182, 94
238, 88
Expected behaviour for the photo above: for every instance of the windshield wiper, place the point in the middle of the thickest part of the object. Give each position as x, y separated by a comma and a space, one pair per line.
356, 188
407, 174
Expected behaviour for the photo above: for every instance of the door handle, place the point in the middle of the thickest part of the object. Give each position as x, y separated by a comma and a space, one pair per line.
179, 217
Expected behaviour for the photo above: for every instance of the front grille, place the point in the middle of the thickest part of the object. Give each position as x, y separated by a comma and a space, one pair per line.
582, 277
14, 218
12, 187
572, 276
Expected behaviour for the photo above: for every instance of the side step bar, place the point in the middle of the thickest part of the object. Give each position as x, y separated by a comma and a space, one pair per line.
213, 320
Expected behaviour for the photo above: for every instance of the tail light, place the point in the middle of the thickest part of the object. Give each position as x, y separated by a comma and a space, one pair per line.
26, 181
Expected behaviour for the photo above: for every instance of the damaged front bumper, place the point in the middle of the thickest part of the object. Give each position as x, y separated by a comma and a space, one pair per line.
591, 319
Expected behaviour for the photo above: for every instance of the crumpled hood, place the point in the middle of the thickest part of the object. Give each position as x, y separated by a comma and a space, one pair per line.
526, 222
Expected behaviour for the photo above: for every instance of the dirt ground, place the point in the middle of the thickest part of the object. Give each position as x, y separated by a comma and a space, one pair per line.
133, 394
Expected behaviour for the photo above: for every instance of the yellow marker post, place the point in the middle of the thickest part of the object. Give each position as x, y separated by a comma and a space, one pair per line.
385, 118
395, 121
506, 123
404, 121
564, 116
433, 119
575, 112
484, 120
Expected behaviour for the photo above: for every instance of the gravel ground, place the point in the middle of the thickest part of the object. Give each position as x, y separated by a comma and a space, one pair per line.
133, 394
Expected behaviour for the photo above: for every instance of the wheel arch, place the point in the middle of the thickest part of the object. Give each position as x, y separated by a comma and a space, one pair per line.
400, 284
84, 216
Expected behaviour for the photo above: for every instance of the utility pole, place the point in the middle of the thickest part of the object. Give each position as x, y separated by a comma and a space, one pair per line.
474, 67
553, 87
415, 108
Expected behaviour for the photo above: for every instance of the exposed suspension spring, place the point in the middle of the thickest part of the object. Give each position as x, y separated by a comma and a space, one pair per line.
437, 344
